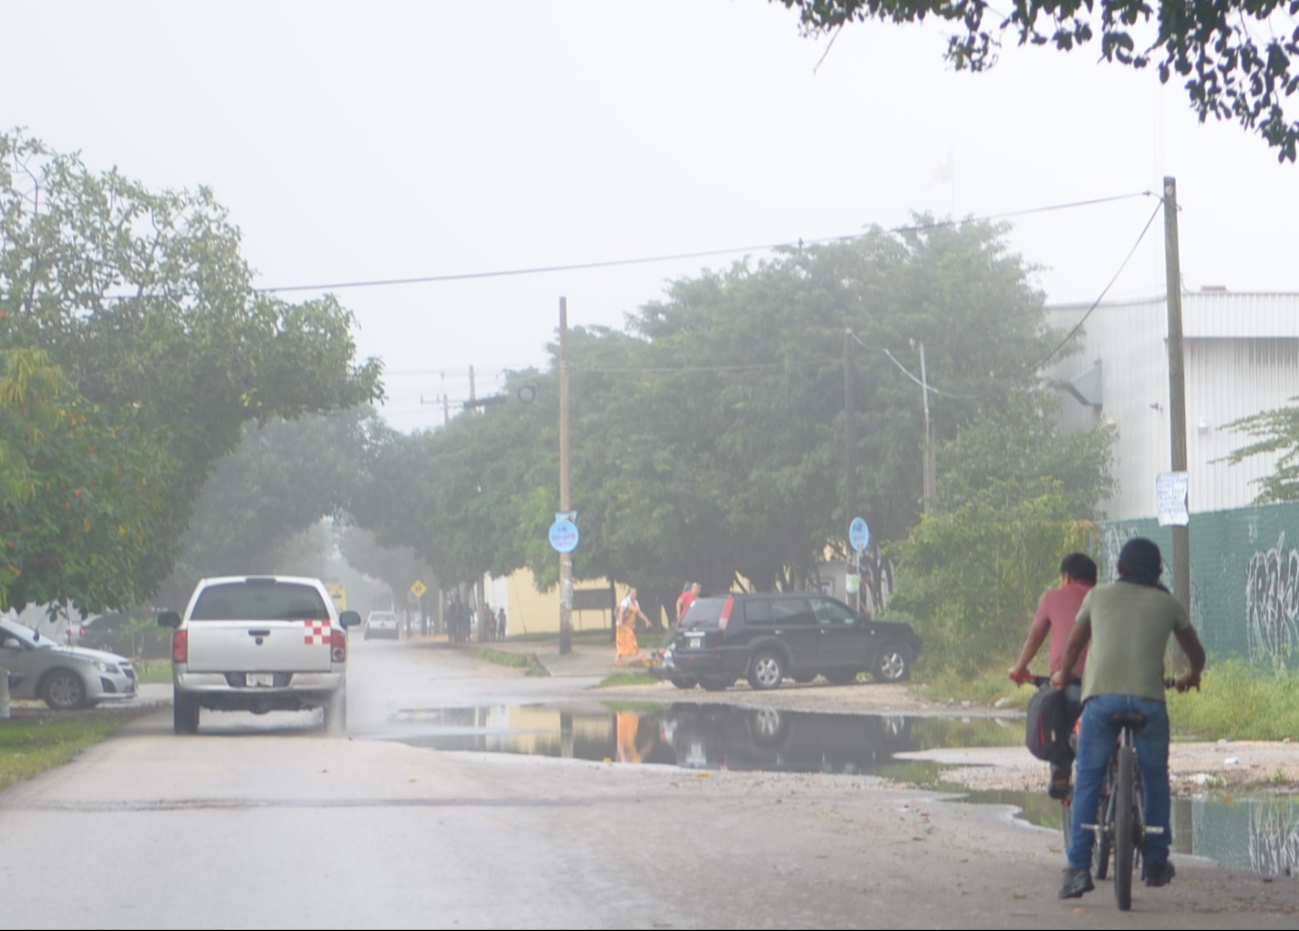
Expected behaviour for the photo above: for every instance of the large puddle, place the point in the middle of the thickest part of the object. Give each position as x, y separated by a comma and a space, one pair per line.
1260, 834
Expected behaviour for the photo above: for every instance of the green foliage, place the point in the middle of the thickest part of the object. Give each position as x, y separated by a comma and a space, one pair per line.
707, 439
31, 745
1239, 701
1277, 434
1016, 444
285, 477
1231, 56
973, 576
143, 302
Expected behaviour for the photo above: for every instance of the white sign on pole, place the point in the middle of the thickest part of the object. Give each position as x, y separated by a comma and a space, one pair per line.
1172, 493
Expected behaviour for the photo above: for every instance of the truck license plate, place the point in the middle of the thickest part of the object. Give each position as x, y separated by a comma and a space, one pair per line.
263, 680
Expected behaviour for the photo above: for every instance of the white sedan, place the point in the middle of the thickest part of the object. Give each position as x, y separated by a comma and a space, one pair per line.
62, 677
381, 624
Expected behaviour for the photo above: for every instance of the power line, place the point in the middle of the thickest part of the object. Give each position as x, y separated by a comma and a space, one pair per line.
676, 257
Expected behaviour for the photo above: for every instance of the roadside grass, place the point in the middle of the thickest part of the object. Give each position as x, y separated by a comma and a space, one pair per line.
32, 744
528, 662
627, 677
1237, 701
154, 671
990, 688
1240, 702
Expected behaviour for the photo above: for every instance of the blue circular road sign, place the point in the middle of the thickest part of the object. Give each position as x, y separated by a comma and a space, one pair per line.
859, 535
564, 536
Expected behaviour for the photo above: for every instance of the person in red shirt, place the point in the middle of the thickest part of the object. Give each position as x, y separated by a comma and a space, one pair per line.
1055, 615
687, 598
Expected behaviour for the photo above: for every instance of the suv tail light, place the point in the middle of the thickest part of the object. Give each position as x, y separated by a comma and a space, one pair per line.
338, 646
180, 646
725, 617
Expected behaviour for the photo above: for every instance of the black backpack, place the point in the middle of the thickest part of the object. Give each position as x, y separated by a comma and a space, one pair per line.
1050, 719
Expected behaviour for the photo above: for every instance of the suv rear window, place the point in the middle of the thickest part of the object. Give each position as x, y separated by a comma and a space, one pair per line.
704, 613
260, 600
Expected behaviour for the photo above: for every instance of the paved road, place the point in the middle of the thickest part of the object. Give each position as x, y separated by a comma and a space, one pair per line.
266, 823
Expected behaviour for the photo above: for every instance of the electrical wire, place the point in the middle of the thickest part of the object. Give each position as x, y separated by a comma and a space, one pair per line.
1096, 303
706, 253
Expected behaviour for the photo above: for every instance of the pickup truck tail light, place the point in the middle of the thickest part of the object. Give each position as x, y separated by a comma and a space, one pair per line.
180, 646
725, 618
338, 646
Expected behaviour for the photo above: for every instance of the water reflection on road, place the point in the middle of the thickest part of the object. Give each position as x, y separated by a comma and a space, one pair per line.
1259, 834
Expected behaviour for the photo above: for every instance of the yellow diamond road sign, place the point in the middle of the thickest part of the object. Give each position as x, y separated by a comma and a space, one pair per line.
418, 589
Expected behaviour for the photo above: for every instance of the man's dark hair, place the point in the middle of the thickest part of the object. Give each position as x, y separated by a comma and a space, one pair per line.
1079, 566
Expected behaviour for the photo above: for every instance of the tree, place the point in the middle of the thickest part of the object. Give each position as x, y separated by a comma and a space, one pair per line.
77, 508
707, 438
285, 477
143, 302
1015, 445
1276, 433
1227, 71
973, 575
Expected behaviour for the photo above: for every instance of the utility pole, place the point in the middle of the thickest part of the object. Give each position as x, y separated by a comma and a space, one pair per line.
1176, 388
850, 439
929, 479
472, 397
565, 559
849, 428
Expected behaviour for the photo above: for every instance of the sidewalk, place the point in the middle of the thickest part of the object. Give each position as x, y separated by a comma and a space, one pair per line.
588, 659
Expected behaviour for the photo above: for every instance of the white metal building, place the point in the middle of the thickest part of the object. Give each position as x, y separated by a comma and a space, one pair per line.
1241, 356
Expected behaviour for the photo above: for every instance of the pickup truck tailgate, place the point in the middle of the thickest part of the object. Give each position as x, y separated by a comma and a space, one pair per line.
260, 646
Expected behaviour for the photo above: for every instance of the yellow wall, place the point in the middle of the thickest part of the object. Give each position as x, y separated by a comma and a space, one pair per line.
529, 611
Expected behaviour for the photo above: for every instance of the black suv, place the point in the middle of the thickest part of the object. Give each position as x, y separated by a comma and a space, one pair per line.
766, 637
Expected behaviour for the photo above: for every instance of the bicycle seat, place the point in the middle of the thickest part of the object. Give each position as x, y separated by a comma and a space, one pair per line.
1128, 719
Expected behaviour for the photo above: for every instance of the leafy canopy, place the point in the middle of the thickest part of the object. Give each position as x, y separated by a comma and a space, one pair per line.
143, 303
1233, 57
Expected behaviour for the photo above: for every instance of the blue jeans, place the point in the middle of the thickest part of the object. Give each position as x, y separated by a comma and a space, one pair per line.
1096, 743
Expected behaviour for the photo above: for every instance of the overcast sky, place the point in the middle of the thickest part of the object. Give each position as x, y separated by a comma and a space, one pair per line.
356, 142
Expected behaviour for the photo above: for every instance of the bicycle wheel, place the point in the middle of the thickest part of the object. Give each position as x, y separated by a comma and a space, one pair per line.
1103, 842
1124, 827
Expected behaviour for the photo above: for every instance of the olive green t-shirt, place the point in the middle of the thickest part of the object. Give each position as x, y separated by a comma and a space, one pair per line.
1130, 625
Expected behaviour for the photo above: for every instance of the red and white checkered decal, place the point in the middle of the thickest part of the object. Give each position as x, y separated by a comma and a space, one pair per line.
316, 632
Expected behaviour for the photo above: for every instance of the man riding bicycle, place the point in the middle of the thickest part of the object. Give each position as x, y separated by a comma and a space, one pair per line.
1055, 615
1127, 624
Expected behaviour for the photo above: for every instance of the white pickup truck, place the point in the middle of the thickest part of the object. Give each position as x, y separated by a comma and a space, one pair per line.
259, 644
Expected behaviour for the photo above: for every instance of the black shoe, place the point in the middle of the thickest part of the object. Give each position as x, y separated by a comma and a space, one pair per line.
1059, 787
1077, 881
1156, 876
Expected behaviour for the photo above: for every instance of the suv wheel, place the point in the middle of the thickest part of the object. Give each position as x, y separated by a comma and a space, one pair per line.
892, 663
184, 711
766, 670
684, 682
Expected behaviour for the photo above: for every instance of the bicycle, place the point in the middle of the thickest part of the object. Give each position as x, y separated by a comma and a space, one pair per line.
1121, 829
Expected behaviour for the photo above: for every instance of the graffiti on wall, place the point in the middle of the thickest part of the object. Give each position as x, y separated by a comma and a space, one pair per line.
1274, 838
1272, 602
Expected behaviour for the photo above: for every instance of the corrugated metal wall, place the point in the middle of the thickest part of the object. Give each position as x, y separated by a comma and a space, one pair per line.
1241, 355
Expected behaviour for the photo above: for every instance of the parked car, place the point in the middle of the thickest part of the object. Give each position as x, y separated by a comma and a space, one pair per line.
115, 633
61, 676
381, 624
766, 637
259, 644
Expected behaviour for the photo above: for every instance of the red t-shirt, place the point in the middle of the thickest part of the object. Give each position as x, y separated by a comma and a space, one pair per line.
684, 603
1057, 610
